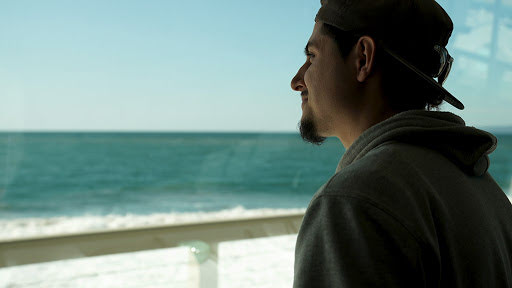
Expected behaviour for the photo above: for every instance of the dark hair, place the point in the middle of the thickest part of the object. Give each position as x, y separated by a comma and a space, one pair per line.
403, 89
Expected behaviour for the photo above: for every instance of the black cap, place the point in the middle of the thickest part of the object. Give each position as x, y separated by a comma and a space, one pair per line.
414, 32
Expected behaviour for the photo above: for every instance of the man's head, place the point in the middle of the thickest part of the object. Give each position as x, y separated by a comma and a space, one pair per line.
368, 60
331, 86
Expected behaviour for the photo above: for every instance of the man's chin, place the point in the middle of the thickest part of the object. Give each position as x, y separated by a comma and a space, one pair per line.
308, 131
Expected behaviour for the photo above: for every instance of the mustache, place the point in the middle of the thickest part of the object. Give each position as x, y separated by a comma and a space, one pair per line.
304, 93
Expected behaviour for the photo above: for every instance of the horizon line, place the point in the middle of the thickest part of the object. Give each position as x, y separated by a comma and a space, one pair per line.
500, 129
153, 131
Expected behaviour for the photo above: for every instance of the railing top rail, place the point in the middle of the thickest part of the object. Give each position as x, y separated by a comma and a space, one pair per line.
95, 243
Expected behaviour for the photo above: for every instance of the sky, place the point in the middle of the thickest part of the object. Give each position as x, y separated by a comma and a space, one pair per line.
204, 66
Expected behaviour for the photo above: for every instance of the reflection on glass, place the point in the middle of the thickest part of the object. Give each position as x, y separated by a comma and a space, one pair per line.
483, 1
482, 50
504, 52
478, 39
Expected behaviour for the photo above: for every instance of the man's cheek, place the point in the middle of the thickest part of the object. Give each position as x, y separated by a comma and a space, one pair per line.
309, 78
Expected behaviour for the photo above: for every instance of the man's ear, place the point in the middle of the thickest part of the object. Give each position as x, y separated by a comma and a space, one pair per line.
365, 57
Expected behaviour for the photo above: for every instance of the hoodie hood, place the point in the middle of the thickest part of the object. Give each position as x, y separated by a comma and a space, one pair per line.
444, 132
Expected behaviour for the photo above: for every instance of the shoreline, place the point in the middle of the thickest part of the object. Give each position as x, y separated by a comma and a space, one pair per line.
22, 228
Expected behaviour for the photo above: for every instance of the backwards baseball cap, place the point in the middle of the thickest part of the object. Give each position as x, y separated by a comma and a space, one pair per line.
414, 32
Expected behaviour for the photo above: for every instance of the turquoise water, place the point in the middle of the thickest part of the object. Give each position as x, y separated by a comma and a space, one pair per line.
75, 174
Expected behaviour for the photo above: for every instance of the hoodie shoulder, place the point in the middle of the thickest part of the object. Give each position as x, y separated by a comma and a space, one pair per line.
374, 171
400, 177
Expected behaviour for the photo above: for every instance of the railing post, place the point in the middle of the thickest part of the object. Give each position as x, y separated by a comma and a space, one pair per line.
204, 263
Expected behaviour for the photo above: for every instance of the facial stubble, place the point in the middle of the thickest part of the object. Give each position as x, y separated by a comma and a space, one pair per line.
309, 131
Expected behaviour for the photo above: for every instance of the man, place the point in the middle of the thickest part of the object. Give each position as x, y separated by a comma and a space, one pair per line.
411, 203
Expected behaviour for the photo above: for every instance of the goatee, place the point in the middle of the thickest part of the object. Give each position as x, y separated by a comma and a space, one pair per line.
309, 133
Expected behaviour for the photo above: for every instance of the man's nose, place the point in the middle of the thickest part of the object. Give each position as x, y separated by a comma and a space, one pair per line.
298, 83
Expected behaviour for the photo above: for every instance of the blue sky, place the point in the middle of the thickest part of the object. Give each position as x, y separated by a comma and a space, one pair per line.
203, 65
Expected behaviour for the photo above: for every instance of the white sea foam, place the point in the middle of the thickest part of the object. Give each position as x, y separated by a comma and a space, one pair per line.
34, 227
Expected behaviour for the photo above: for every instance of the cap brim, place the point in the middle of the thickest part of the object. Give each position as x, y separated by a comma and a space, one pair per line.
447, 96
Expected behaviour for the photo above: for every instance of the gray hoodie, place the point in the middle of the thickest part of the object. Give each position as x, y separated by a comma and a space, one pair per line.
411, 205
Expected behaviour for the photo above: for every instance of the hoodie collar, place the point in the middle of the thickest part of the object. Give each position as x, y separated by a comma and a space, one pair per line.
445, 132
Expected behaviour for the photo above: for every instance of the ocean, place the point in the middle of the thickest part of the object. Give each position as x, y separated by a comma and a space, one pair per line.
100, 175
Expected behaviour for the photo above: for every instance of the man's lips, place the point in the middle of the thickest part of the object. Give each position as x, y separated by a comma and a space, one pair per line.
304, 94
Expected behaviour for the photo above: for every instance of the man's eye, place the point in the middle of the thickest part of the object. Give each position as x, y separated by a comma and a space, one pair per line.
311, 55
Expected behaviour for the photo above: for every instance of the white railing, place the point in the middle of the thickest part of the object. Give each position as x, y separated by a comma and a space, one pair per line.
201, 238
